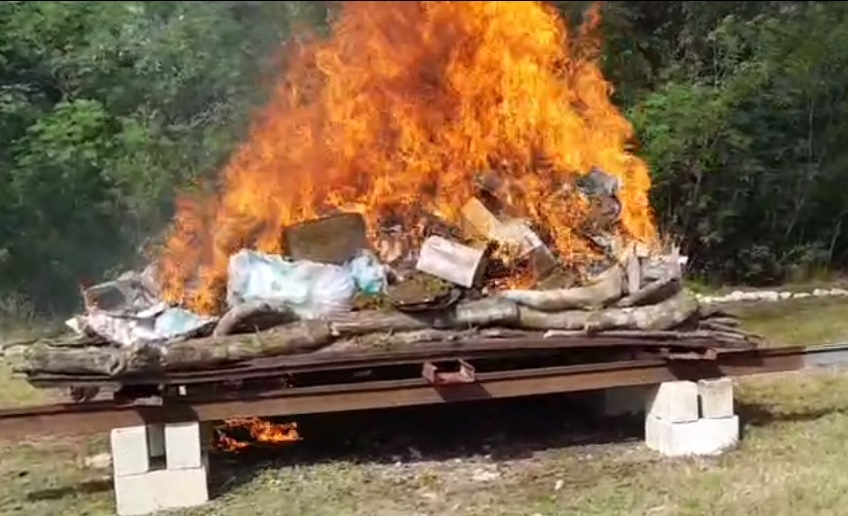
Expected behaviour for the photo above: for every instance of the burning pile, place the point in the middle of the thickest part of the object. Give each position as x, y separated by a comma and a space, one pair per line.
433, 171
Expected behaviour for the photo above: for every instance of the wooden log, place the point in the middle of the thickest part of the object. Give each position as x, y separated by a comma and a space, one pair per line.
256, 315
662, 316
658, 267
385, 341
530, 318
724, 321
652, 293
478, 313
634, 273
393, 340
70, 360
297, 337
606, 289
632, 334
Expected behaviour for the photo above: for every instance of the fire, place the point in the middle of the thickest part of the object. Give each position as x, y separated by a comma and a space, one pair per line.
396, 114
259, 430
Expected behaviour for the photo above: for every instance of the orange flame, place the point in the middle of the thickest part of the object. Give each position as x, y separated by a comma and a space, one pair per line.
260, 431
397, 113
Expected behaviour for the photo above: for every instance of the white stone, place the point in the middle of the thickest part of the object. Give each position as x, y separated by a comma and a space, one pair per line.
130, 454
701, 437
183, 446
620, 401
785, 295
98, 461
676, 402
716, 398
160, 490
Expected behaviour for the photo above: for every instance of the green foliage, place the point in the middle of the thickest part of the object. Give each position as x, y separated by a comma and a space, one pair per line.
743, 134
106, 108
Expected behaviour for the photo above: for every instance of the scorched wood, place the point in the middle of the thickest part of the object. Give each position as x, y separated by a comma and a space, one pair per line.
606, 289
377, 341
256, 315
100, 360
297, 337
478, 313
653, 292
662, 316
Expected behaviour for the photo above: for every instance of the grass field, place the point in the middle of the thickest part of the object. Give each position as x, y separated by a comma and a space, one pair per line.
545, 456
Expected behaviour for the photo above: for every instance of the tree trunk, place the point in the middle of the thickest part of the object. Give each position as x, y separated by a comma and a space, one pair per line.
654, 292
606, 290
662, 316
479, 313
298, 337
68, 360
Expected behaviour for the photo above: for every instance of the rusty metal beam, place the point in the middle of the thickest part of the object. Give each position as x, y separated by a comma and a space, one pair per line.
92, 417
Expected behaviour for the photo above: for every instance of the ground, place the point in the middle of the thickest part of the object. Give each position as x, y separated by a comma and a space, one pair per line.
543, 456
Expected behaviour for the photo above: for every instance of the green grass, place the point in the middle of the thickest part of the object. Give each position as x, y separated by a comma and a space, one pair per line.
798, 322
519, 459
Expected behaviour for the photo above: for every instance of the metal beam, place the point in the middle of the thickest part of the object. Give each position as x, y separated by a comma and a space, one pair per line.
102, 416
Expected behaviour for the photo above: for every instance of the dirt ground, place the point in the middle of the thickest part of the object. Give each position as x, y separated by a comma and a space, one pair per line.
537, 456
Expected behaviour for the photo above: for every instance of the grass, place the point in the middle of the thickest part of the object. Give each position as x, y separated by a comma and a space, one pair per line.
545, 456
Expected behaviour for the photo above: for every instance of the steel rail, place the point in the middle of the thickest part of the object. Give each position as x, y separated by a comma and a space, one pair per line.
349, 360
100, 416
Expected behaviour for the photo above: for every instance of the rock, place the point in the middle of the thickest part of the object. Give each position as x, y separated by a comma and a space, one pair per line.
482, 475
99, 461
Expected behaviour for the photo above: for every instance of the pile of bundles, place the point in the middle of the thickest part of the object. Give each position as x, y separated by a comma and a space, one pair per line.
334, 292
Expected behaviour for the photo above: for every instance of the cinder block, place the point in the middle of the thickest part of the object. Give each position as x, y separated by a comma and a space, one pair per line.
161, 490
676, 402
619, 401
130, 453
156, 441
701, 437
716, 398
182, 445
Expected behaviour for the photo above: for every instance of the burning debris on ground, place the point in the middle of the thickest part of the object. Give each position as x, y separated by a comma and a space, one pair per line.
432, 172
242, 433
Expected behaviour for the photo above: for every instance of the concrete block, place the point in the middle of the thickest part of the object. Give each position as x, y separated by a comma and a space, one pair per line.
130, 453
716, 398
182, 446
161, 490
619, 401
701, 437
676, 402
